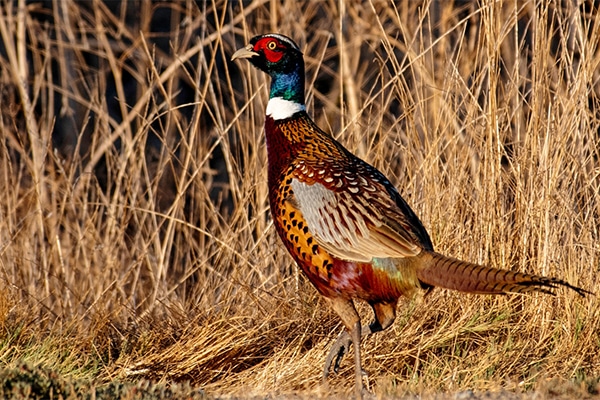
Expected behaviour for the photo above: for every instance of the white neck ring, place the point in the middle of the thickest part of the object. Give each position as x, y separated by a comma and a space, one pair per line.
278, 108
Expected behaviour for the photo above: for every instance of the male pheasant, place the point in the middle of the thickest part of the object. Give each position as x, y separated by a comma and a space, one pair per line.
344, 223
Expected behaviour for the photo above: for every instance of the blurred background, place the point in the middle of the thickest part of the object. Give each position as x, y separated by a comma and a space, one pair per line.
135, 236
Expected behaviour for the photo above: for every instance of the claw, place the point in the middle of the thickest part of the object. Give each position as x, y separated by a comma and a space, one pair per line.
338, 358
336, 353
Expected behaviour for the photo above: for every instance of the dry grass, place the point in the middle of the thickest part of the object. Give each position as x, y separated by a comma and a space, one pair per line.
135, 238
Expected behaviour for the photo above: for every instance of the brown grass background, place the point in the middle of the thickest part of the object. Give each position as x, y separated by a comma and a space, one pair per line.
135, 236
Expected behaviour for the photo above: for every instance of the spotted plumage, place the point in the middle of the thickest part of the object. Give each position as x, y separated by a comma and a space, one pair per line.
344, 223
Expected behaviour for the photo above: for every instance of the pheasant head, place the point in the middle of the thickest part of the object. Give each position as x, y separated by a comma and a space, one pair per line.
282, 60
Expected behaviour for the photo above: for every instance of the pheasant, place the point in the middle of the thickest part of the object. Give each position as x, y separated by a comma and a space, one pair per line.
344, 223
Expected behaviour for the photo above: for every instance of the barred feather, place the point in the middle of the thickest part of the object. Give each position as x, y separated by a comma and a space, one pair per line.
438, 270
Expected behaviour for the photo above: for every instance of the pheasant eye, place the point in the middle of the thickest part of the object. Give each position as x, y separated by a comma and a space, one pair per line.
272, 50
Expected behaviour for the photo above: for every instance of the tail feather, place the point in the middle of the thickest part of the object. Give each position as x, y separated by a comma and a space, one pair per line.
438, 270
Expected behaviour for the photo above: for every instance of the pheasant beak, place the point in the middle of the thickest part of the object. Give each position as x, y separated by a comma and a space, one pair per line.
244, 52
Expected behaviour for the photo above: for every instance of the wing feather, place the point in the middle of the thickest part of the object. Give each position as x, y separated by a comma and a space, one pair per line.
355, 226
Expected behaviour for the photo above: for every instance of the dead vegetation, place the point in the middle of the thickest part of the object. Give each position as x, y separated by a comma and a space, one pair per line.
135, 238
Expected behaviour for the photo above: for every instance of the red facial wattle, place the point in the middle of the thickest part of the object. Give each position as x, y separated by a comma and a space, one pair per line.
271, 48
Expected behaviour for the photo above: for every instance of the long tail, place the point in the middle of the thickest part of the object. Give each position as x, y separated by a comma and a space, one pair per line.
438, 270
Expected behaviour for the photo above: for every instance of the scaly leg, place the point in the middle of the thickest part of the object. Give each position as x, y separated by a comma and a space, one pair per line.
385, 313
339, 349
345, 309
358, 371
